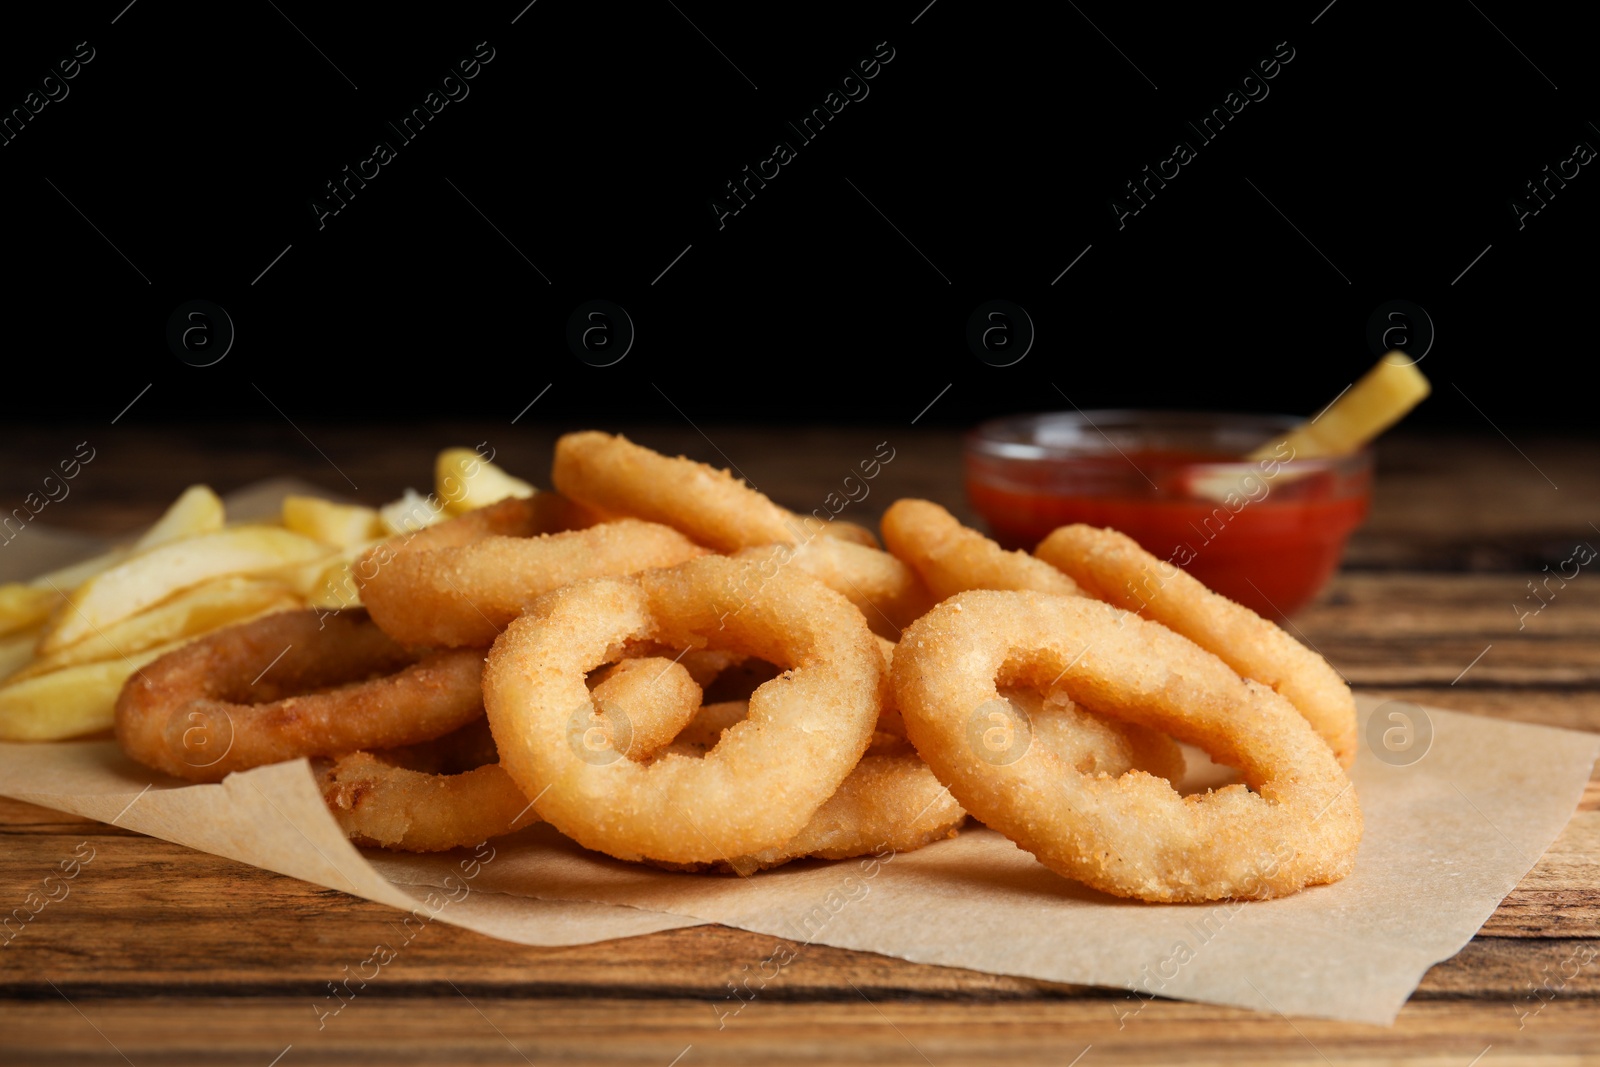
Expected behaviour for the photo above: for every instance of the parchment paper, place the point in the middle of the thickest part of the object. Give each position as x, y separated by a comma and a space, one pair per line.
1446, 838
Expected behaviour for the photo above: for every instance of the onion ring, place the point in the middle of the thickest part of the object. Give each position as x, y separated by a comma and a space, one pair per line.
887, 591
458, 583
444, 794
384, 806
952, 558
1112, 567
289, 685
641, 703
1133, 835
806, 729
889, 801
712, 506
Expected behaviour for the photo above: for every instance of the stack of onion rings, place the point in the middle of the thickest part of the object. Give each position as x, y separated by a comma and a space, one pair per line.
657, 701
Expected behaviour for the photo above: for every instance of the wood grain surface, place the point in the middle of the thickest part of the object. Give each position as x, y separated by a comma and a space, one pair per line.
161, 955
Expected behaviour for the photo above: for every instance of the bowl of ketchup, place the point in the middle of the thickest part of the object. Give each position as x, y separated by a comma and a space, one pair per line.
1267, 531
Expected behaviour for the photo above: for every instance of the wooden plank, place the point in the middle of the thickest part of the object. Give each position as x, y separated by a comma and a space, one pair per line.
157, 914
478, 1027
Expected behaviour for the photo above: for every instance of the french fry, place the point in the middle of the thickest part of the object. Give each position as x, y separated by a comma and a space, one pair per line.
1362, 412
149, 577
22, 607
331, 585
197, 511
465, 481
68, 703
208, 606
339, 525
15, 652
1370, 406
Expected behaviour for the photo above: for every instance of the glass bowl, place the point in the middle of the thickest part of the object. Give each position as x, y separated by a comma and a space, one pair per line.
1268, 533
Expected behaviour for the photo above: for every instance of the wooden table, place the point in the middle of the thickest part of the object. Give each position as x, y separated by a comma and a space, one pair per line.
161, 955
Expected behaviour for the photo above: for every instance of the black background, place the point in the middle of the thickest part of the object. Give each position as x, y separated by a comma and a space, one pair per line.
983, 162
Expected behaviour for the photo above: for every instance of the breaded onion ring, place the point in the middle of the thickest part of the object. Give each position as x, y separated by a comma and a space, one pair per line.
442, 794
889, 802
807, 728
379, 804
889, 720
1113, 567
952, 558
887, 591
1133, 835
458, 583
711, 506
644, 702
298, 683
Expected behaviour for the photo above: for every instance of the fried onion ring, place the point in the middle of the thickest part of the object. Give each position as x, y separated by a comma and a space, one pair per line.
458, 583
298, 683
644, 702
952, 558
381, 805
887, 591
712, 506
430, 797
890, 801
806, 729
1113, 567
1295, 822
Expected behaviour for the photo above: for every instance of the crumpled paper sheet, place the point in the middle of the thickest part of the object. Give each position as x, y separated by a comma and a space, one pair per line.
1447, 837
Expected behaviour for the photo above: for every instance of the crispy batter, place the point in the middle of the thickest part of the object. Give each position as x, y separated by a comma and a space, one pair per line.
457, 584
298, 683
890, 801
1295, 822
380, 804
807, 728
952, 558
1113, 567
887, 591
711, 506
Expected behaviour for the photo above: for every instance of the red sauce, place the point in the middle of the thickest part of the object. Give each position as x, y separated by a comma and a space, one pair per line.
1271, 550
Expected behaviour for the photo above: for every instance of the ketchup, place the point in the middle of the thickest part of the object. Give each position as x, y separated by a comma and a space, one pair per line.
1271, 546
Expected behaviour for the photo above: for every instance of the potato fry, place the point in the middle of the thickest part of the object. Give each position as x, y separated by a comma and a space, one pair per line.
68, 703
149, 577
339, 525
328, 583
1370, 406
23, 607
15, 652
464, 481
197, 511
208, 606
